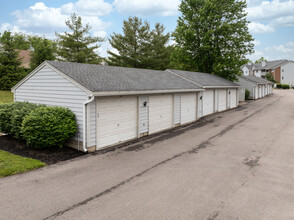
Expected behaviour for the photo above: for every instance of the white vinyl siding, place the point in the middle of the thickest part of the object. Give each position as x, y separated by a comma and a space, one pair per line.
116, 120
208, 102
160, 112
256, 96
50, 88
216, 99
188, 107
200, 104
177, 109
222, 100
143, 114
92, 124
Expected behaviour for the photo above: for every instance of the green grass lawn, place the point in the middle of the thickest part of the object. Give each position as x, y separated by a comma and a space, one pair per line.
6, 97
11, 164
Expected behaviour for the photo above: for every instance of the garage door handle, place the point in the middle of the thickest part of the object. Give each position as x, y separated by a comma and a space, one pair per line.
117, 125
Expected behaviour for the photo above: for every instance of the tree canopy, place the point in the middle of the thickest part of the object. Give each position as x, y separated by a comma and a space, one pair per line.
78, 45
140, 47
260, 60
43, 49
212, 36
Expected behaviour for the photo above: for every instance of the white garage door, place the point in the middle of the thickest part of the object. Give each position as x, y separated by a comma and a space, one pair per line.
259, 92
222, 99
233, 97
116, 120
188, 107
160, 112
208, 102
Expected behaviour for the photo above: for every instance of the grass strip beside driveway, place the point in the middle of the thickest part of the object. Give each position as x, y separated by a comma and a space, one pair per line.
11, 164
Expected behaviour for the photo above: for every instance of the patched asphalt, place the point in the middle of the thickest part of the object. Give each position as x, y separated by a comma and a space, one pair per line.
236, 164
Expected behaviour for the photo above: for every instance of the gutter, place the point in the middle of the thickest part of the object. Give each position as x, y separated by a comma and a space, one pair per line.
117, 93
85, 121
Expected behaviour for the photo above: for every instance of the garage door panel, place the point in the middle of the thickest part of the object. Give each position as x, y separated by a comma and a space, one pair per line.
160, 112
208, 102
116, 120
188, 108
222, 99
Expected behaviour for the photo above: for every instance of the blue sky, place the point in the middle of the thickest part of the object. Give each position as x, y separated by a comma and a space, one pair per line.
272, 22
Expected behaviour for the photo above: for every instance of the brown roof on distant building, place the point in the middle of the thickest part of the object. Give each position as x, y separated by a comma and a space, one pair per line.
25, 56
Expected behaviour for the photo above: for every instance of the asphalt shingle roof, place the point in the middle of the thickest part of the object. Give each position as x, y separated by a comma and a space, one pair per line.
102, 78
270, 65
257, 80
205, 79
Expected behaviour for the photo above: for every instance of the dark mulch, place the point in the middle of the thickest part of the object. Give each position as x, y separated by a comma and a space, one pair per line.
48, 156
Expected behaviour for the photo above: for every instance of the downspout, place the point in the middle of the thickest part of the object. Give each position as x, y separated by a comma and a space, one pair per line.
85, 121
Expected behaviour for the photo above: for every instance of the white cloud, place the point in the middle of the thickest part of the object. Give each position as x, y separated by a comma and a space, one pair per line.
39, 15
256, 42
258, 28
275, 11
275, 52
43, 20
282, 51
88, 7
150, 7
256, 55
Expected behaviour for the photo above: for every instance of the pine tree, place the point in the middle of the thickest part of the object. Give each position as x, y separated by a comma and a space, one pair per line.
10, 70
139, 47
212, 36
78, 46
132, 45
161, 52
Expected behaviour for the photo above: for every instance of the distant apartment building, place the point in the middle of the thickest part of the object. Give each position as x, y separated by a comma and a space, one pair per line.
282, 70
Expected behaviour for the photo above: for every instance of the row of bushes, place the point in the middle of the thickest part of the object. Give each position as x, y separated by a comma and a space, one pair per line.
38, 125
283, 86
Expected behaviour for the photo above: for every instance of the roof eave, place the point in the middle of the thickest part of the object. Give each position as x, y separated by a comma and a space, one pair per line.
118, 93
220, 87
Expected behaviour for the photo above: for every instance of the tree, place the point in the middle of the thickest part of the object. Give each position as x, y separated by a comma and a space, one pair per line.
10, 70
78, 46
132, 45
160, 52
43, 49
20, 41
260, 60
139, 47
270, 77
212, 36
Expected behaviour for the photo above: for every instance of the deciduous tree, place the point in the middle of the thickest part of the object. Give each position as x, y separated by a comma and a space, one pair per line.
212, 36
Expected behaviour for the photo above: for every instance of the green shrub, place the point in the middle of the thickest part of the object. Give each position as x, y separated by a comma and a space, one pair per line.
18, 114
11, 116
279, 86
285, 86
247, 94
46, 127
5, 117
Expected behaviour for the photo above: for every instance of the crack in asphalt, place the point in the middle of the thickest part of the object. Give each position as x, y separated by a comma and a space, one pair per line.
203, 145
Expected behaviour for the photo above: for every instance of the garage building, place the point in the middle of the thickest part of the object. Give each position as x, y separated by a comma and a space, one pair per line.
257, 86
111, 104
219, 95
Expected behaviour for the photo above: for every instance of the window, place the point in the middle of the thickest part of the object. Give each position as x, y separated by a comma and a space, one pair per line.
282, 70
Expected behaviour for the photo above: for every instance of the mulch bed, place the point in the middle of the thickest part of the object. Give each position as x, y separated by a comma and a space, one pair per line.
48, 156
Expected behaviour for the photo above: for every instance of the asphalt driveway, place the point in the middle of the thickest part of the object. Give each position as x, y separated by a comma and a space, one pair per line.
232, 165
